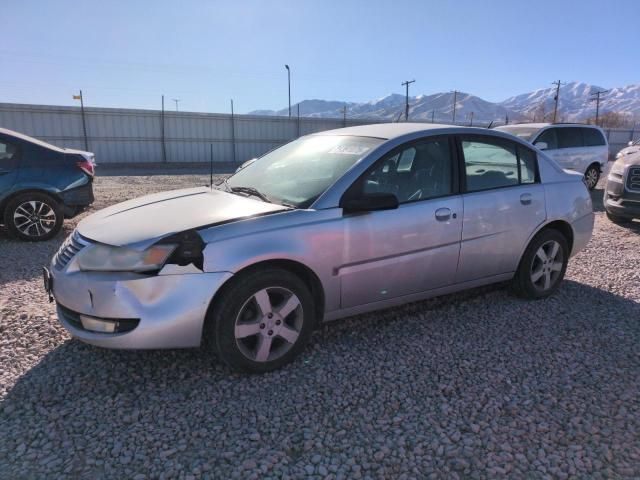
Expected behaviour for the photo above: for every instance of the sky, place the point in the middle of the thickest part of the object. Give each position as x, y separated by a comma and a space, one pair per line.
204, 53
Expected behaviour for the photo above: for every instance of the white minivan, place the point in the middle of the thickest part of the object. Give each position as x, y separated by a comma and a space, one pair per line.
576, 146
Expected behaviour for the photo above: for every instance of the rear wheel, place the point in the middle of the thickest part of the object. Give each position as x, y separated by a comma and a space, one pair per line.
542, 266
591, 176
263, 320
33, 216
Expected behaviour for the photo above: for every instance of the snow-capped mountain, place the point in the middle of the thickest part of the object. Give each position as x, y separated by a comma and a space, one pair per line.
438, 106
576, 101
575, 105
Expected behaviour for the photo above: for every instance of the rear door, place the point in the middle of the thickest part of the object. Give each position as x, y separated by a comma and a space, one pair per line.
415, 247
595, 146
571, 152
503, 204
9, 152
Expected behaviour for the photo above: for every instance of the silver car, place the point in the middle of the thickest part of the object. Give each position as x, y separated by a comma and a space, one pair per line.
327, 226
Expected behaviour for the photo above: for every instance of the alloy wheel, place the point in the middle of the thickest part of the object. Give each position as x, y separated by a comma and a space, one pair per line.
268, 324
591, 178
546, 266
34, 218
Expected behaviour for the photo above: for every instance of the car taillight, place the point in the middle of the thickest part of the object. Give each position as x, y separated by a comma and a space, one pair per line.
87, 167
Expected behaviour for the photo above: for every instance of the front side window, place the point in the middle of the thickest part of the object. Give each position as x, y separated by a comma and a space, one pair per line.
416, 172
493, 163
592, 137
570, 137
300, 171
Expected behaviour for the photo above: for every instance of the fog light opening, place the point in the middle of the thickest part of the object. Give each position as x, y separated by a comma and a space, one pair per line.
98, 325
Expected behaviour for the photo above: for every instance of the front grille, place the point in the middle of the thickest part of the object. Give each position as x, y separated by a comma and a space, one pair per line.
71, 246
633, 179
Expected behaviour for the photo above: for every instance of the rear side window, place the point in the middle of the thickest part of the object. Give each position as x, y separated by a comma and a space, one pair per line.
592, 137
7, 152
549, 137
493, 163
570, 137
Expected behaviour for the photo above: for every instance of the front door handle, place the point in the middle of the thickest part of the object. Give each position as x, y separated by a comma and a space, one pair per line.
526, 198
443, 214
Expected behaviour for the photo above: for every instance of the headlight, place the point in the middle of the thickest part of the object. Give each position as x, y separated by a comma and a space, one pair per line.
618, 167
105, 258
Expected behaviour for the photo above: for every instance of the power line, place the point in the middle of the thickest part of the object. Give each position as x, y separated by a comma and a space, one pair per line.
597, 100
406, 108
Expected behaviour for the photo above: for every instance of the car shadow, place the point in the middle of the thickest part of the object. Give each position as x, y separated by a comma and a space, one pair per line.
484, 343
597, 199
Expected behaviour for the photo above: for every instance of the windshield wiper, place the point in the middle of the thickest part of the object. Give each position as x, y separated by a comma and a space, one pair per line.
251, 191
256, 193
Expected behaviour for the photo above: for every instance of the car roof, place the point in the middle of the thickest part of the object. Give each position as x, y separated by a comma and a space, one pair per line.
388, 131
548, 124
27, 138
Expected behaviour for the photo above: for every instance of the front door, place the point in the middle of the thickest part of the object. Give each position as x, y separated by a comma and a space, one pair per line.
414, 248
503, 204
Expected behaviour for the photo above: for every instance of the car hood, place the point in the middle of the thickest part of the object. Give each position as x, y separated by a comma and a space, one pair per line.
629, 150
140, 222
631, 158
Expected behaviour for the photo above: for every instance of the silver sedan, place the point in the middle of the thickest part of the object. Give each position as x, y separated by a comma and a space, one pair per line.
329, 225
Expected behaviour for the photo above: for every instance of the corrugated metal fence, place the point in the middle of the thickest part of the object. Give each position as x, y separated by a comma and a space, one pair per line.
127, 136
135, 136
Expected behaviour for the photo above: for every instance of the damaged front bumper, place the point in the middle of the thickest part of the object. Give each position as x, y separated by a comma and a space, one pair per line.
134, 311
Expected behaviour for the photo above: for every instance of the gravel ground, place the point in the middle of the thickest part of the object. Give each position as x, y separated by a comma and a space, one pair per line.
473, 385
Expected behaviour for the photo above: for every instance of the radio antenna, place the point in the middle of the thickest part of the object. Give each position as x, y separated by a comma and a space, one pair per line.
211, 167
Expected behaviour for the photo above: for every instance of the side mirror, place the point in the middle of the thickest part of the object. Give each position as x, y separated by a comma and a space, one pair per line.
245, 164
542, 145
370, 202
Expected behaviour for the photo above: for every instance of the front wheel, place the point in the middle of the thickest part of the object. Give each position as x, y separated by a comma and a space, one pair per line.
263, 320
33, 216
542, 266
591, 176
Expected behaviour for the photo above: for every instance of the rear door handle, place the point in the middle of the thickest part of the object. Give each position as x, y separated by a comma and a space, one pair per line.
443, 214
526, 198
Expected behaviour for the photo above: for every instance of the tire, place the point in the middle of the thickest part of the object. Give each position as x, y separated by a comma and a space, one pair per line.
591, 176
528, 281
618, 220
246, 321
33, 216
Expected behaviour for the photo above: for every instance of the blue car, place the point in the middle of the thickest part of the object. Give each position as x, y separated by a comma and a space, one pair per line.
41, 184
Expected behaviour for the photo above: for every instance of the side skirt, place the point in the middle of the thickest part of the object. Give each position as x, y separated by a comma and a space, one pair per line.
414, 297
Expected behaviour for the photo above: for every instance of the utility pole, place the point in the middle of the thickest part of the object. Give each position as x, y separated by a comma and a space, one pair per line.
406, 108
84, 123
176, 100
471, 122
344, 116
506, 119
164, 146
556, 98
433, 114
597, 100
289, 83
455, 101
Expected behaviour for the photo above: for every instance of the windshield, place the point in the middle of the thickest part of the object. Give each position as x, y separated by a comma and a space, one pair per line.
299, 172
525, 133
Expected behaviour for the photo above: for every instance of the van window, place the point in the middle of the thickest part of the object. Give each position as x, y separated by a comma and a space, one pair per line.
549, 137
592, 137
570, 137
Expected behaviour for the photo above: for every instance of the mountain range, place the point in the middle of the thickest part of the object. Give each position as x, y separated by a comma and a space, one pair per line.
575, 104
